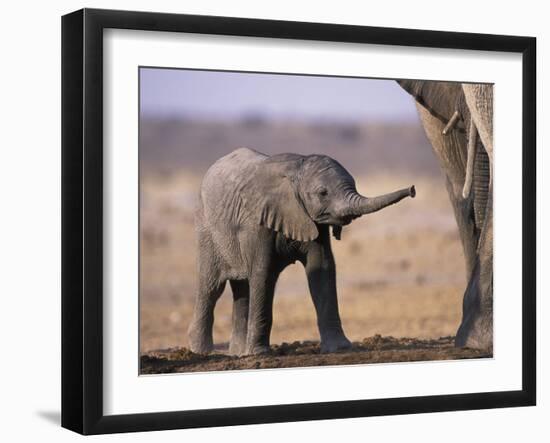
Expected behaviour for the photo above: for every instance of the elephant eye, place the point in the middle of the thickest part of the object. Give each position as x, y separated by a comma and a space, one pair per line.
323, 192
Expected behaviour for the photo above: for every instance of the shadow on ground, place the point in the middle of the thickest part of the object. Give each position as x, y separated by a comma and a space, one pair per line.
375, 349
54, 417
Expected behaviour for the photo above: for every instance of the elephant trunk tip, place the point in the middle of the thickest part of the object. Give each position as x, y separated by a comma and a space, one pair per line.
365, 205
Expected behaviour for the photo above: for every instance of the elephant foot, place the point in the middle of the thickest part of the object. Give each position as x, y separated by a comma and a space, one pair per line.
236, 348
476, 329
201, 348
257, 350
334, 343
475, 333
200, 344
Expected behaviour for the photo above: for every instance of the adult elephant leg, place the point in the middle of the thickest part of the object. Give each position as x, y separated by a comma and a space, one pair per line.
475, 230
321, 277
241, 297
473, 211
476, 328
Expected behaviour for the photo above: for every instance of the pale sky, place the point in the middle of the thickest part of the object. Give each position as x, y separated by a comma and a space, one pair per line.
215, 94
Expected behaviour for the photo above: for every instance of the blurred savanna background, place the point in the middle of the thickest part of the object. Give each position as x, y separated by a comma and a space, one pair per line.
400, 272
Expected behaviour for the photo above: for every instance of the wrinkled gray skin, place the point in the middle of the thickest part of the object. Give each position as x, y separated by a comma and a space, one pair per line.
465, 154
257, 215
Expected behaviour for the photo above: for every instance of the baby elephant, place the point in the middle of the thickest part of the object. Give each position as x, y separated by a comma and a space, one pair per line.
257, 215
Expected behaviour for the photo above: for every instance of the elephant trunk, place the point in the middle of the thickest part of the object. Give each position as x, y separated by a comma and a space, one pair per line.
360, 205
472, 142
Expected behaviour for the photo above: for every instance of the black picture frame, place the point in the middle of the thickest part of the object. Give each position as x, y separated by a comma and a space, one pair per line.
82, 220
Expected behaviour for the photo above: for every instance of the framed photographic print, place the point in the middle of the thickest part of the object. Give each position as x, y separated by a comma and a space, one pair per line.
269, 221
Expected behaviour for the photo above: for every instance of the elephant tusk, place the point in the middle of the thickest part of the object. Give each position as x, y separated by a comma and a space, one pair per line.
452, 123
472, 142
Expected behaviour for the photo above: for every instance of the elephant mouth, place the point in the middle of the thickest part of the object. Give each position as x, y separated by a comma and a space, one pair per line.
329, 219
324, 218
346, 220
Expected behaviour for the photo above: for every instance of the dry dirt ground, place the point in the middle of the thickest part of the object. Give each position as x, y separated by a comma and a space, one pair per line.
400, 273
376, 349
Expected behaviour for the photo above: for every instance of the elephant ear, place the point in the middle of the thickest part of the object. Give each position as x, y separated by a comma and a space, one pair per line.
275, 203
